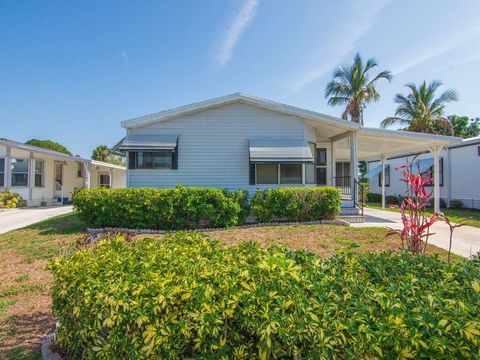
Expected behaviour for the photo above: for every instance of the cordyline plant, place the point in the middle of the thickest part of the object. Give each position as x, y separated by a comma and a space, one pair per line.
416, 222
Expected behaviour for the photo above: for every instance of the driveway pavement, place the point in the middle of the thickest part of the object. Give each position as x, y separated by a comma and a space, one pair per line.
466, 239
16, 219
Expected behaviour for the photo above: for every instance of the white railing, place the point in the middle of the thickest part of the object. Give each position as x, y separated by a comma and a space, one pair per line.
59, 188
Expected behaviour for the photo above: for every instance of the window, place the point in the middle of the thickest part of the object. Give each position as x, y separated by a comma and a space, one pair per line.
267, 173
79, 169
104, 180
321, 157
430, 173
19, 172
290, 173
2, 172
39, 171
164, 159
310, 167
387, 176
478, 150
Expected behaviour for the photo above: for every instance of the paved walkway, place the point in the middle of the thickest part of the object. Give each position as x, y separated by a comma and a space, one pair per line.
466, 239
16, 219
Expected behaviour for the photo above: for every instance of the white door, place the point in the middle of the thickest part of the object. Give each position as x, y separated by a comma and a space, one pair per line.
58, 180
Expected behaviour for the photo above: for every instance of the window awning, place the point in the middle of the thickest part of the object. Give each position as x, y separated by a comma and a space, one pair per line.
422, 165
269, 150
149, 142
375, 171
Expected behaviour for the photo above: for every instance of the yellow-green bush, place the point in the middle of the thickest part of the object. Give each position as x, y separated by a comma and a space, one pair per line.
189, 297
297, 204
9, 200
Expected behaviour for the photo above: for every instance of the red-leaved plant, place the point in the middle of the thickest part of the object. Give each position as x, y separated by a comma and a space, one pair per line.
416, 222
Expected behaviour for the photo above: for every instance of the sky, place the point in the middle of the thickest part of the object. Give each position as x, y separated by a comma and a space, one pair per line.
71, 71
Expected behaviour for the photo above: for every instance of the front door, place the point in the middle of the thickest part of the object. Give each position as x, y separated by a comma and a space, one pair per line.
321, 164
58, 180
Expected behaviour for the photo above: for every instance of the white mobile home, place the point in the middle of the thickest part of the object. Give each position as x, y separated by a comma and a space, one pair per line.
459, 172
243, 142
46, 177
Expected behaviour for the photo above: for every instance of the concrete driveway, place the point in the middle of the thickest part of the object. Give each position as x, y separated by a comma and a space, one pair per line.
16, 219
466, 239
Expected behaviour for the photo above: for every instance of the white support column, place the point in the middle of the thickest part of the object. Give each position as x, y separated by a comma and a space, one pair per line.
333, 165
86, 176
436, 152
382, 159
110, 176
31, 177
353, 162
8, 168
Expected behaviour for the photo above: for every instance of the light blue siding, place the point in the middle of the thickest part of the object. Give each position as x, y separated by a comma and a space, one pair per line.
213, 146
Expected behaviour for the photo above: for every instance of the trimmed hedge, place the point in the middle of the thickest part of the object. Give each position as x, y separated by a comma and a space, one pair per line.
192, 207
149, 208
189, 297
9, 200
297, 204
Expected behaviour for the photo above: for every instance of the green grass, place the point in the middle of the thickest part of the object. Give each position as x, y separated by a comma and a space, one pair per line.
43, 240
455, 215
21, 353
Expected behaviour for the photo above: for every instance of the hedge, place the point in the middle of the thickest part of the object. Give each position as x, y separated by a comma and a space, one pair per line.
296, 204
149, 208
189, 297
192, 207
9, 200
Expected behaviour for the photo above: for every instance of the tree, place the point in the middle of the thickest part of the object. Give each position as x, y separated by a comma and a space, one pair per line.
420, 110
463, 127
353, 88
102, 153
48, 144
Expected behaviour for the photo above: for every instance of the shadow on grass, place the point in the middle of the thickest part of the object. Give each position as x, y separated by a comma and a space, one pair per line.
60, 225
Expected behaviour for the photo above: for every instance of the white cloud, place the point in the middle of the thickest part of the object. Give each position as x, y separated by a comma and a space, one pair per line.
455, 41
235, 31
363, 15
126, 60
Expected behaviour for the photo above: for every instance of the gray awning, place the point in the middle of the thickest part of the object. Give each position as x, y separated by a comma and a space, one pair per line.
149, 142
279, 150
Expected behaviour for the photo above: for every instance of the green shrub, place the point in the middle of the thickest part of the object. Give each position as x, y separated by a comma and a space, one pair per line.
455, 204
296, 204
9, 200
186, 296
374, 198
366, 190
148, 208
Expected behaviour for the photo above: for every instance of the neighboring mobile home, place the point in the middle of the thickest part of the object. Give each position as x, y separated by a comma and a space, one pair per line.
46, 177
459, 172
244, 142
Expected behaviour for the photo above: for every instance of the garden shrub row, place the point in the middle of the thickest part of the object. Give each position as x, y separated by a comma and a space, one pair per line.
9, 200
193, 207
186, 296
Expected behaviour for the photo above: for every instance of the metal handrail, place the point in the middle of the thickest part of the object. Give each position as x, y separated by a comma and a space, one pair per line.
59, 187
358, 194
344, 184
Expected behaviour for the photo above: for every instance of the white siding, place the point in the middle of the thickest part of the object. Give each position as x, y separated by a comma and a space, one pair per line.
213, 146
465, 175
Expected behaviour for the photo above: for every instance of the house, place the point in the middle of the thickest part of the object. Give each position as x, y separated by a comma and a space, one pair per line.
46, 177
240, 141
459, 172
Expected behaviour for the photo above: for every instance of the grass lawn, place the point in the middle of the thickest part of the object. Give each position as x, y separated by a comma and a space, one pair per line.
25, 313
455, 215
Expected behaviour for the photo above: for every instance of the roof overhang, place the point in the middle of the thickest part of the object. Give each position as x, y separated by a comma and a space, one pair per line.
373, 142
240, 98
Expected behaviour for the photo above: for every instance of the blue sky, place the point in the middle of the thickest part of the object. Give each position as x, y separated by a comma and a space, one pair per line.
70, 71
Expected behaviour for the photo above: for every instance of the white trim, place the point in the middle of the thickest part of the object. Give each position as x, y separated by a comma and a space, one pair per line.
108, 165
239, 98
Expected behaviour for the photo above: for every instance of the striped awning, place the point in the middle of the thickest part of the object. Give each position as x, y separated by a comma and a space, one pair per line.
422, 165
269, 150
149, 142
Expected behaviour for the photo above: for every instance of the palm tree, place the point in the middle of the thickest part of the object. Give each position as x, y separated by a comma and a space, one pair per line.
353, 88
420, 111
101, 153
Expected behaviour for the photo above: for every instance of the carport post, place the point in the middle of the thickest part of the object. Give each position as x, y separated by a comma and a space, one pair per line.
87, 176
436, 152
382, 159
353, 163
